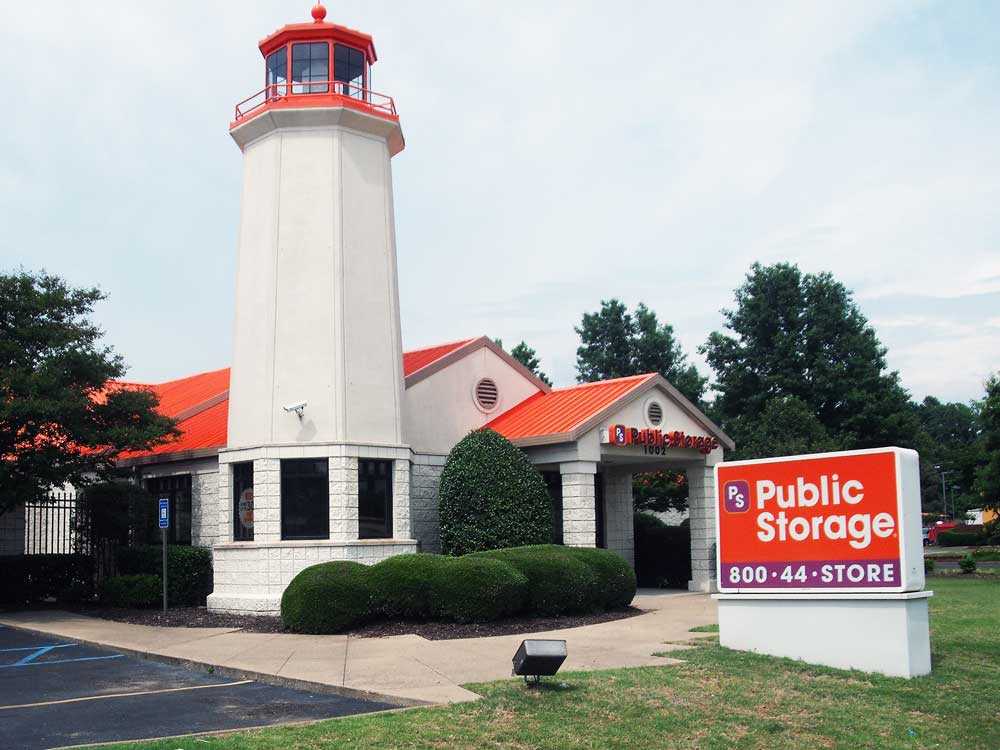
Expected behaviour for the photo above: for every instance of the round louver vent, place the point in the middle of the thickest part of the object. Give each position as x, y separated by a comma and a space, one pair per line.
487, 394
655, 413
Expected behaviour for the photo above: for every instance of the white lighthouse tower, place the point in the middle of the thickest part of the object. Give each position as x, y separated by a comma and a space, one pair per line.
314, 467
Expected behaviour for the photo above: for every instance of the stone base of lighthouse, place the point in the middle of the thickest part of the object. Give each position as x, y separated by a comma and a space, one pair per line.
251, 574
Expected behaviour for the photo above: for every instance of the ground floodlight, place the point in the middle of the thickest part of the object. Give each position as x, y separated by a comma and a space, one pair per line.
537, 658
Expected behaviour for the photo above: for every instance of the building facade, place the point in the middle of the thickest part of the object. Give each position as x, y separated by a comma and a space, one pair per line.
325, 440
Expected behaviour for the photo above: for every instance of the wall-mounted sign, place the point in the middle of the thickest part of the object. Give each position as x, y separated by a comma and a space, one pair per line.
655, 442
246, 508
834, 522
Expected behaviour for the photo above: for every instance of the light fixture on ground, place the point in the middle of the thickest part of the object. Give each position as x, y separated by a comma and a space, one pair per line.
537, 658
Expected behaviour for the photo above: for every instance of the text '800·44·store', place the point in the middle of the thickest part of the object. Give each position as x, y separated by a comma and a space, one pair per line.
324, 439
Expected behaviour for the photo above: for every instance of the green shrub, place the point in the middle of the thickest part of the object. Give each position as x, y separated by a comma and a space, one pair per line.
471, 589
327, 598
662, 552
31, 578
615, 579
558, 582
962, 536
403, 586
491, 497
189, 570
132, 591
928, 566
967, 564
986, 553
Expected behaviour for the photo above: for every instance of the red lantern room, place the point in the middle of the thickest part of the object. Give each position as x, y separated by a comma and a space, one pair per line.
316, 64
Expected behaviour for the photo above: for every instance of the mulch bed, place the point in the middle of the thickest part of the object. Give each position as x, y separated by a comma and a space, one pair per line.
199, 617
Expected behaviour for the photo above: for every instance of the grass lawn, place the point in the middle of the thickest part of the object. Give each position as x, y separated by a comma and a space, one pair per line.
719, 699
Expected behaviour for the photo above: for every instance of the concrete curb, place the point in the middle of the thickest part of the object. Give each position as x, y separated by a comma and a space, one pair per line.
231, 672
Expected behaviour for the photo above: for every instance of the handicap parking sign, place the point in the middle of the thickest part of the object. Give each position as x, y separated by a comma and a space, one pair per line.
164, 513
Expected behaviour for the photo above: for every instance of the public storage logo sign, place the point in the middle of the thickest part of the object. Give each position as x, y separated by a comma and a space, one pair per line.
833, 522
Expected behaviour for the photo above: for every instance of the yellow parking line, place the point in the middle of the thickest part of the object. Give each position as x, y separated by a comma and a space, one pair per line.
124, 695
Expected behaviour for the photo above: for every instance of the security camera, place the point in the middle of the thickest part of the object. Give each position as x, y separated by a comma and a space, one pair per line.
298, 408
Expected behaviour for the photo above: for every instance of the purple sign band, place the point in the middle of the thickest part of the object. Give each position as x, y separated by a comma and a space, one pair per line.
812, 574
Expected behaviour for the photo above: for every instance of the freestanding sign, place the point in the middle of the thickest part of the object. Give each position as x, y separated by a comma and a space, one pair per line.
820, 557
164, 518
843, 522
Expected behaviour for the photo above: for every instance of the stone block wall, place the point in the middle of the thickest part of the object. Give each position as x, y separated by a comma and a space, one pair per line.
701, 505
579, 504
12, 532
425, 479
619, 525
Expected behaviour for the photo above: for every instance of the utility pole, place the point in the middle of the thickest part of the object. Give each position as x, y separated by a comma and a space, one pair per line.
944, 490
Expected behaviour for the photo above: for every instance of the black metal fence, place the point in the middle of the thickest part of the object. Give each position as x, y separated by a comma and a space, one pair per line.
52, 526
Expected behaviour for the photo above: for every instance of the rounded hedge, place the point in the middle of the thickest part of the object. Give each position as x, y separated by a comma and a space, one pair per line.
558, 582
132, 591
491, 497
470, 589
327, 598
403, 586
615, 580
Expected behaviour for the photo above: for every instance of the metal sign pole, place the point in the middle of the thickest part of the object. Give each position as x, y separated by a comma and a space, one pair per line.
163, 533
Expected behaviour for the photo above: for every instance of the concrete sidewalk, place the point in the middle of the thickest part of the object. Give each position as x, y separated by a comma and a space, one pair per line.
408, 668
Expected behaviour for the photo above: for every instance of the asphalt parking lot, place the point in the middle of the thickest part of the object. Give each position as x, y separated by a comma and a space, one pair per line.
55, 693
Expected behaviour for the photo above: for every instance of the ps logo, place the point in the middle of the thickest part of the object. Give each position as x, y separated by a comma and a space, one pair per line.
736, 495
619, 435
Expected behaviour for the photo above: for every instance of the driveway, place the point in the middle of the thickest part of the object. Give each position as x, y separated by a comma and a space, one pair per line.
57, 692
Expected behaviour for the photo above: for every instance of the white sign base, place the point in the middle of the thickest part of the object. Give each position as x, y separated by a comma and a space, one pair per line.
884, 633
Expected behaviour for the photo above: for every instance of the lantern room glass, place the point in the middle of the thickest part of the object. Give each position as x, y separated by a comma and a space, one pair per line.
349, 71
310, 67
277, 73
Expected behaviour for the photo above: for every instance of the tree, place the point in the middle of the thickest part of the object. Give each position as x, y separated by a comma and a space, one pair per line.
60, 422
953, 448
491, 496
660, 491
616, 344
527, 357
786, 427
988, 474
801, 335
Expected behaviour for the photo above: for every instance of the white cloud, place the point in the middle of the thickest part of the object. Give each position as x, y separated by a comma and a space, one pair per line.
557, 153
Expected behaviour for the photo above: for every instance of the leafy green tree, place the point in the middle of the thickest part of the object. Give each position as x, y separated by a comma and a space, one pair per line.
801, 335
988, 474
615, 343
660, 491
953, 447
786, 427
59, 422
527, 357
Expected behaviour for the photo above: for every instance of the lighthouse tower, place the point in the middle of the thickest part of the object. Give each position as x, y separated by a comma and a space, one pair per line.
314, 465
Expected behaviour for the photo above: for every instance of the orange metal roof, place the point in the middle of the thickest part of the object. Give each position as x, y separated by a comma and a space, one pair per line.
418, 359
206, 428
563, 409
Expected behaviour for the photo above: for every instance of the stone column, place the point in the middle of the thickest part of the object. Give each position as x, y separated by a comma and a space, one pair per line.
618, 513
266, 500
343, 498
701, 505
401, 499
579, 509
224, 503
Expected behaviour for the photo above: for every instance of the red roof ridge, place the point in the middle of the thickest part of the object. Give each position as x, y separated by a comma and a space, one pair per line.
637, 378
456, 342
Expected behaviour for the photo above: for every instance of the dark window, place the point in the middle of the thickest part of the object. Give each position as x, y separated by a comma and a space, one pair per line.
177, 490
349, 68
277, 73
243, 502
374, 499
310, 62
553, 482
599, 514
305, 498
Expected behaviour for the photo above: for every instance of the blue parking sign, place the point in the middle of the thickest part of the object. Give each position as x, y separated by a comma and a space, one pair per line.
164, 513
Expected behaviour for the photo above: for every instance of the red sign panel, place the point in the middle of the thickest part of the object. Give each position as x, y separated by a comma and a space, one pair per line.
829, 522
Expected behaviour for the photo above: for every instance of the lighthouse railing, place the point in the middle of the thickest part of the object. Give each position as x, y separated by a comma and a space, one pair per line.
316, 94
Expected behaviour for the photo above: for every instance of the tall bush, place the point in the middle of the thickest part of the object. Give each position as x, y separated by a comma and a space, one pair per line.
189, 570
491, 497
662, 552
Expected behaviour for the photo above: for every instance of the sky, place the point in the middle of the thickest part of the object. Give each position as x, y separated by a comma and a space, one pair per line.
557, 154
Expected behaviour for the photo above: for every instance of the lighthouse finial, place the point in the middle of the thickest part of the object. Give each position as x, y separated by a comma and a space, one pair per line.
318, 12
